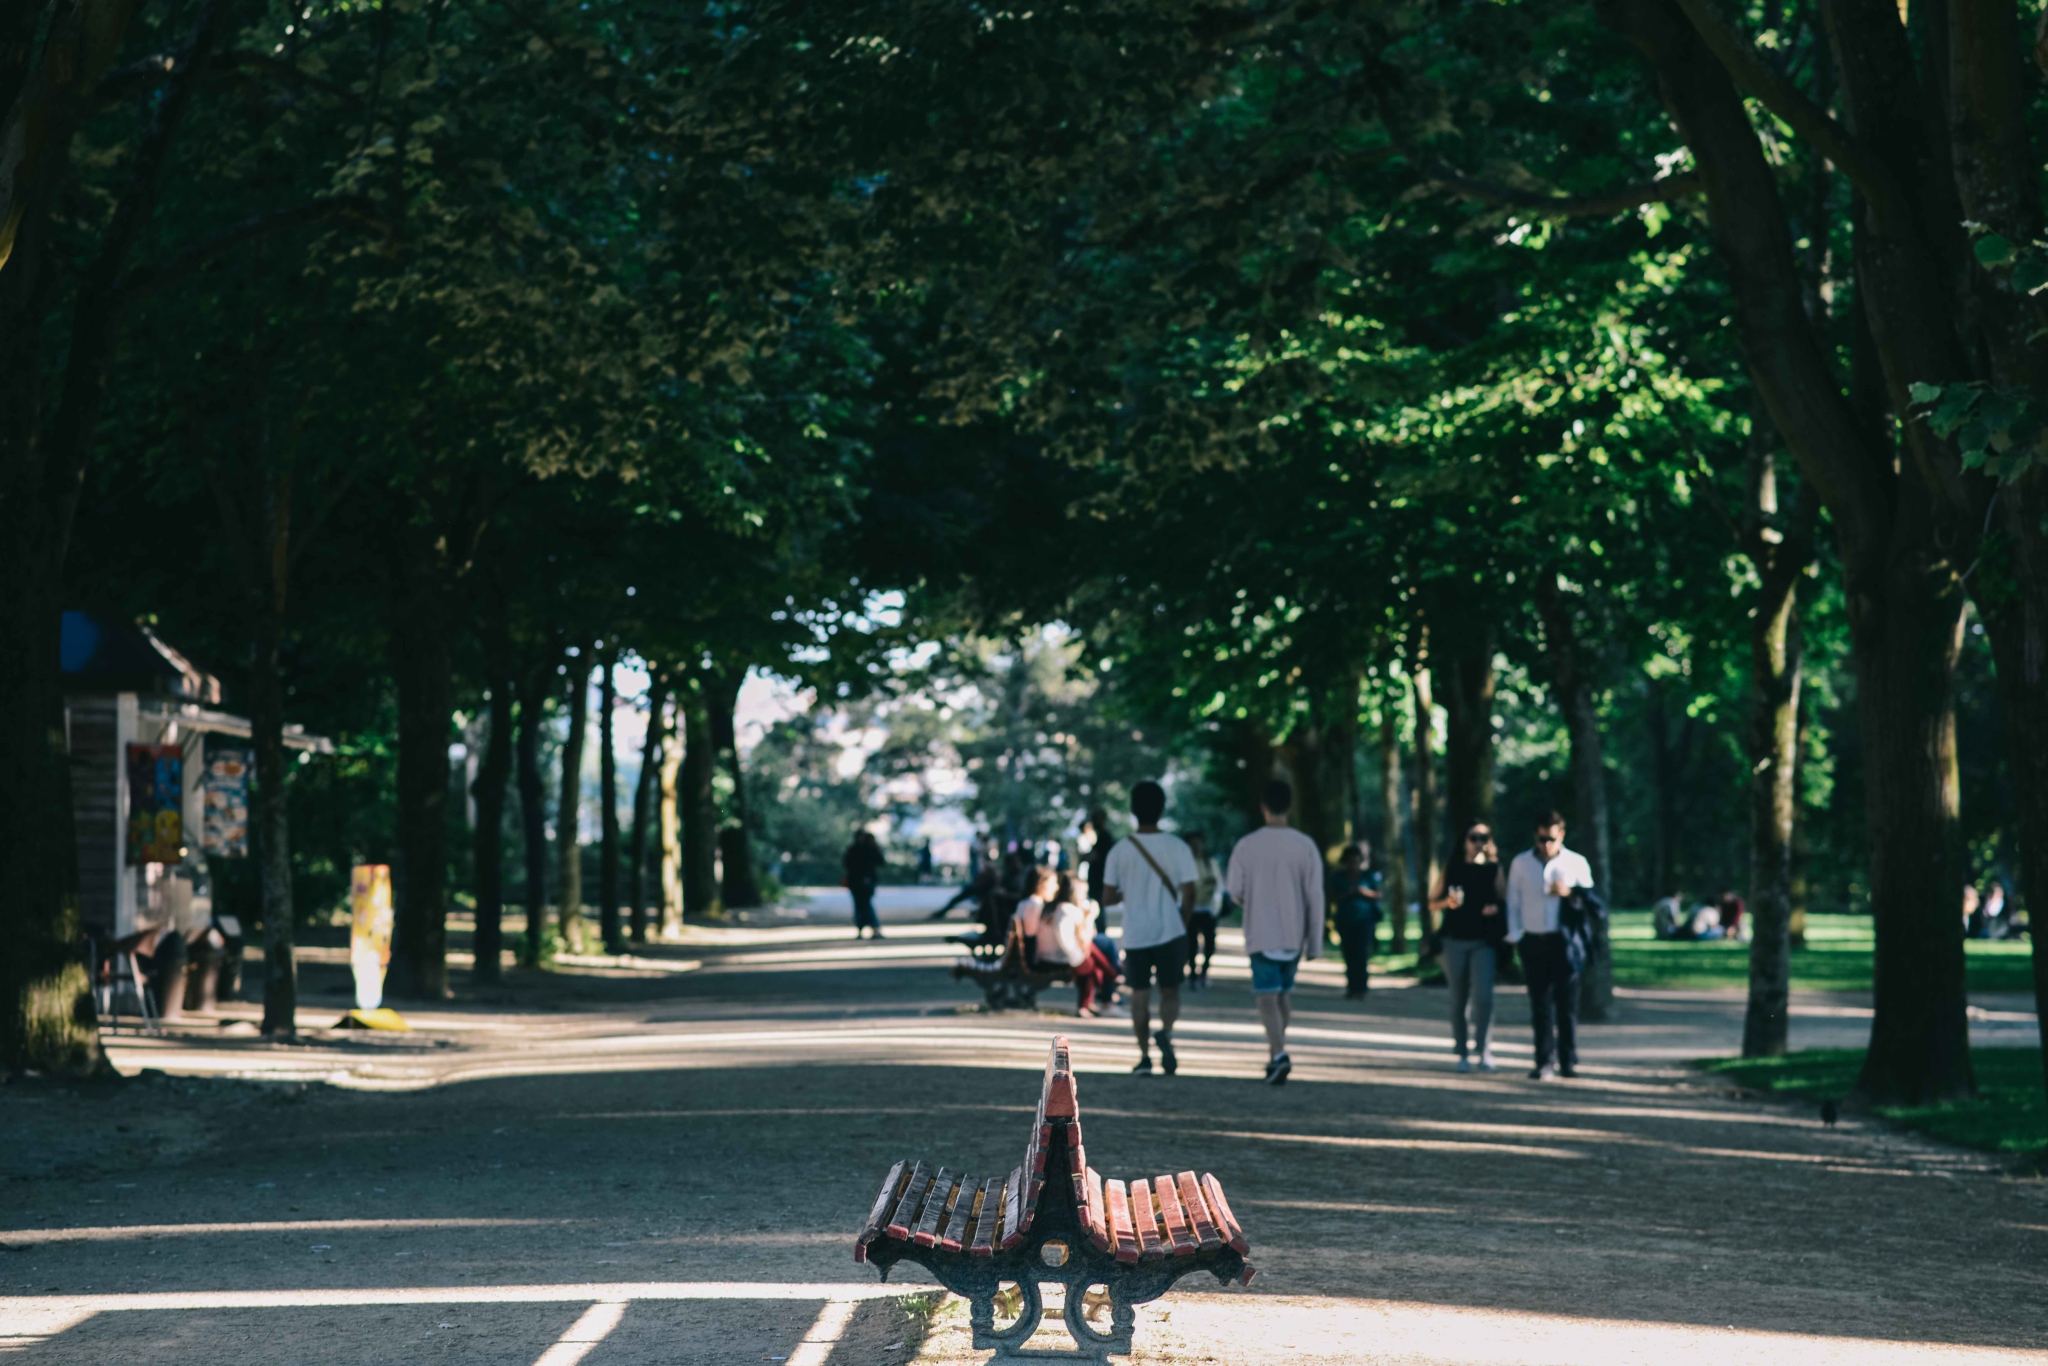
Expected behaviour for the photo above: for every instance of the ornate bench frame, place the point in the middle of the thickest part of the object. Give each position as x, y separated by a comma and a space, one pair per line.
1075, 1230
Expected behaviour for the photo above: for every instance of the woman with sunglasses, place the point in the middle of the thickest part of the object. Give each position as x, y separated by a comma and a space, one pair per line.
1469, 896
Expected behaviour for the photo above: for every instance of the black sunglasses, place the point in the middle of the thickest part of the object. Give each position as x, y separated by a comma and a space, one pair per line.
1479, 837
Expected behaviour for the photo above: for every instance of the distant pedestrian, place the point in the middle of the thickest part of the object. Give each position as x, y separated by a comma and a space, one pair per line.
1208, 911
1355, 902
1151, 874
1539, 881
924, 863
863, 864
1276, 875
1470, 899
1096, 828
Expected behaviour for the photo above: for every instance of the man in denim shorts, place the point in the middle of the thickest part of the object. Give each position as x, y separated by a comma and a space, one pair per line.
1276, 874
1152, 876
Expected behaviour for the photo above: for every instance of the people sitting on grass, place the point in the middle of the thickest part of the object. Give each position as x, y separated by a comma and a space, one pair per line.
1700, 924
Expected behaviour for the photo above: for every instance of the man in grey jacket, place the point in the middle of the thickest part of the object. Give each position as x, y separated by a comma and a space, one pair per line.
1276, 874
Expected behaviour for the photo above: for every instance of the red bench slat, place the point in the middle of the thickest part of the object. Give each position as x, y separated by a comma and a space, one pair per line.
953, 1230
934, 1209
1095, 1220
1227, 1222
988, 1219
1145, 1222
1198, 1213
1013, 1211
1120, 1229
1172, 1217
903, 1222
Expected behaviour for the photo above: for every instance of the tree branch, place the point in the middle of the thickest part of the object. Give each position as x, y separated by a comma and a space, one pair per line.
1740, 58
139, 283
1565, 206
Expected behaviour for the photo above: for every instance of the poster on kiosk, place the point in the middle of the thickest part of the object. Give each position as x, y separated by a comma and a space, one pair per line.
369, 946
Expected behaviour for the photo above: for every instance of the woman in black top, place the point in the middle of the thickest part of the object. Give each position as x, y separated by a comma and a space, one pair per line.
1470, 896
863, 864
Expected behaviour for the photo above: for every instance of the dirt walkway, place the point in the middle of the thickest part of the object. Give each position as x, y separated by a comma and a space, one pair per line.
666, 1167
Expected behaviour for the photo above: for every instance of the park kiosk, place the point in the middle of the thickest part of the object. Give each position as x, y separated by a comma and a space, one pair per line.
159, 778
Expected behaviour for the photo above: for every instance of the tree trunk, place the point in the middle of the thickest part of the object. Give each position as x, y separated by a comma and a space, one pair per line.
1774, 677
699, 810
269, 802
2017, 623
424, 670
672, 824
1428, 861
47, 1020
740, 886
645, 802
569, 809
533, 813
608, 807
1900, 517
1468, 743
1393, 850
489, 790
1588, 827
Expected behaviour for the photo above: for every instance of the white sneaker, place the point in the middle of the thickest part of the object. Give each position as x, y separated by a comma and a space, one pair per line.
1486, 1062
1464, 1064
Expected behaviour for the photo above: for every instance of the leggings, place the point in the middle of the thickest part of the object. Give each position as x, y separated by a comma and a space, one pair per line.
864, 917
1201, 942
1468, 965
1091, 975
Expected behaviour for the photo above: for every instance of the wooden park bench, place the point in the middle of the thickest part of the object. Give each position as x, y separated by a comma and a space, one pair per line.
1006, 979
1055, 1220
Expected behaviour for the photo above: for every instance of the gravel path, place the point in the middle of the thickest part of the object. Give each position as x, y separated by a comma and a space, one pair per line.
648, 1164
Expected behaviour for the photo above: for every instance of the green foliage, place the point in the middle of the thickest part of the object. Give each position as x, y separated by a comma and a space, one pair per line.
2010, 1114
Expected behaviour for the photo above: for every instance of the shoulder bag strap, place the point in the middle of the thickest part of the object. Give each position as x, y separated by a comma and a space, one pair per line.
1146, 854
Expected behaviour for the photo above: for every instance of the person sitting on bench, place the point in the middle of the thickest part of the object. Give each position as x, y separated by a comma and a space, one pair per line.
1063, 937
1029, 921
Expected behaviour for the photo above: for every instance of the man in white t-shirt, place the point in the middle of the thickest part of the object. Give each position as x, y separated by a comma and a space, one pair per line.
1152, 875
1539, 880
1276, 874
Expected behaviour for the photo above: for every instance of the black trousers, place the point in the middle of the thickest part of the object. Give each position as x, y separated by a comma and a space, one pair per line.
1356, 937
1553, 999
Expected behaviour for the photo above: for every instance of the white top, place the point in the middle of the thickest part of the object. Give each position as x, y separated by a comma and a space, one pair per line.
1028, 912
1151, 911
1066, 925
1208, 884
1276, 875
1531, 909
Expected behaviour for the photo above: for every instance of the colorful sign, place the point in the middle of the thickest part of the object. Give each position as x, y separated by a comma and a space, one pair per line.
369, 939
224, 827
156, 804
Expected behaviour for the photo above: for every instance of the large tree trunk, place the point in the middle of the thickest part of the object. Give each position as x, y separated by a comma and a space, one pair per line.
608, 807
1774, 674
1900, 516
1588, 828
489, 790
699, 809
46, 1016
672, 824
740, 886
1670, 765
269, 800
1393, 849
569, 809
1906, 627
1468, 680
533, 812
645, 804
424, 668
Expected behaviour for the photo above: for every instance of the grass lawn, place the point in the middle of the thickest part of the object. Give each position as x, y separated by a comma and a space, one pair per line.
1836, 958
2010, 1115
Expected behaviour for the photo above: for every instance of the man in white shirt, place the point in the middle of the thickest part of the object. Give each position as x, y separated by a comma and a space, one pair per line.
1539, 880
1276, 874
1152, 875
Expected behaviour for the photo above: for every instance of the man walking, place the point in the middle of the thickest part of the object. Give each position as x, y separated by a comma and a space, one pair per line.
1276, 875
1539, 880
1151, 875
